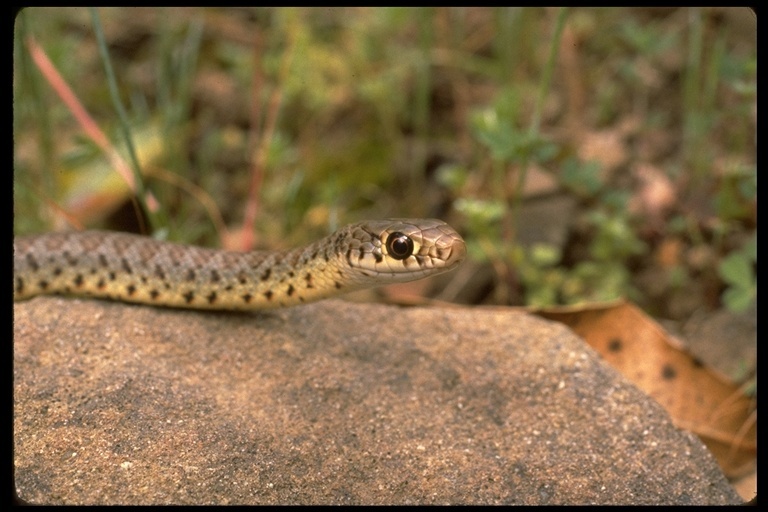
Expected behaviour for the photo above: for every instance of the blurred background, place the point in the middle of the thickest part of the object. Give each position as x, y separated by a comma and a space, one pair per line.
585, 154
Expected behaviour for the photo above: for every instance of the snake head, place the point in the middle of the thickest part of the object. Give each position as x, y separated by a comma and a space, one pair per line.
401, 250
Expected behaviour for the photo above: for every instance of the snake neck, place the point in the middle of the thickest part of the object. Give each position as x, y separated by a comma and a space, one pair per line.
166, 274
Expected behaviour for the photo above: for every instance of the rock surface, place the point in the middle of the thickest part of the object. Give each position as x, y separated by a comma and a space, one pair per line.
333, 403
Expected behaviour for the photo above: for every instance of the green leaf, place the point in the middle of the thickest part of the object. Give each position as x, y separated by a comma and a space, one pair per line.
750, 248
452, 176
581, 177
736, 269
479, 210
545, 255
738, 299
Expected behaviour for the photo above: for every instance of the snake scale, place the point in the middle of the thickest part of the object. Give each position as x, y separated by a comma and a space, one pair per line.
140, 269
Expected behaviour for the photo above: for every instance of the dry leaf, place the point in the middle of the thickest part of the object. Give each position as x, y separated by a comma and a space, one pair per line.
608, 147
697, 398
655, 195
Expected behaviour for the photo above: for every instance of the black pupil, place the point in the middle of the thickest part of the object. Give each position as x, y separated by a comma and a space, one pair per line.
399, 246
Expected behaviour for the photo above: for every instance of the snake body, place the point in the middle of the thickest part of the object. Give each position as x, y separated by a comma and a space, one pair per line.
140, 269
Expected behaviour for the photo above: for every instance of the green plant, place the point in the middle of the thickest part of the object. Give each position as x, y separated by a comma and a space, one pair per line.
738, 272
329, 115
601, 276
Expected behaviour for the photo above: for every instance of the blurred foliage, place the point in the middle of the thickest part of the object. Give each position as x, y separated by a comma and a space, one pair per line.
738, 270
316, 117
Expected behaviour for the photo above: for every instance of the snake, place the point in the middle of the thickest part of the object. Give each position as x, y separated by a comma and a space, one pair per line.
139, 269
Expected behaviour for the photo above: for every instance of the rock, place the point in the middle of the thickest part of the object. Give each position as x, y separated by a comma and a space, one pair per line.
334, 403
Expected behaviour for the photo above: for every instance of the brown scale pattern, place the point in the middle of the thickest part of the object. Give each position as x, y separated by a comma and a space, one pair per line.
139, 269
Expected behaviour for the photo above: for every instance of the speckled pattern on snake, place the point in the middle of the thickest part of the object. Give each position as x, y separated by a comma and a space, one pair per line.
139, 269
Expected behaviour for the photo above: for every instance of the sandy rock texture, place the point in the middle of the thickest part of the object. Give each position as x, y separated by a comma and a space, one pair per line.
333, 403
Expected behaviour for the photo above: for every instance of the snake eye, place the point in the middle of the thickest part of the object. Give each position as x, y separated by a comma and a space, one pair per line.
399, 246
